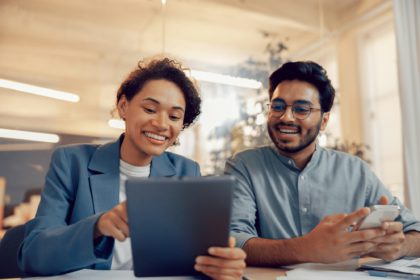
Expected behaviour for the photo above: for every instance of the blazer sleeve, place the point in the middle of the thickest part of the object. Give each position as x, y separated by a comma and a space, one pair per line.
52, 245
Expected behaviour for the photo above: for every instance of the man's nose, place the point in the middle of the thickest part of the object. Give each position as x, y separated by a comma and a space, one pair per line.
288, 113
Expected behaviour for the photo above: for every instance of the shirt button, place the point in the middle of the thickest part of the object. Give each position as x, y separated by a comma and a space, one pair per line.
290, 162
302, 177
304, 209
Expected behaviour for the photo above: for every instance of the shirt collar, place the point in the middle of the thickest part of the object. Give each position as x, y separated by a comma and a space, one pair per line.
290, 163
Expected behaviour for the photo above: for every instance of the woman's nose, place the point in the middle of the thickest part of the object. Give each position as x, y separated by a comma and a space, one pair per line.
160, 122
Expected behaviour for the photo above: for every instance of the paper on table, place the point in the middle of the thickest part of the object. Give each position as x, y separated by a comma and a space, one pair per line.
88, 274
406, 265
343, 270
349, 265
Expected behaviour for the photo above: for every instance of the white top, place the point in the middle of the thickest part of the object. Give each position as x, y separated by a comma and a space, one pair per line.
122, 258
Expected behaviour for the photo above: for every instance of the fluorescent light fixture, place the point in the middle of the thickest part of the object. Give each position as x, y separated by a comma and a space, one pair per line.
29, 135
46, 92
114, 123
224, 79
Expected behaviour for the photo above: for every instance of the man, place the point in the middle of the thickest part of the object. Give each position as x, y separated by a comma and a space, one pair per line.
298, 202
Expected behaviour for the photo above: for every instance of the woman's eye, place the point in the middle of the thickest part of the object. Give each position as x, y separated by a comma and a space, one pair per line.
175, 118
149, 110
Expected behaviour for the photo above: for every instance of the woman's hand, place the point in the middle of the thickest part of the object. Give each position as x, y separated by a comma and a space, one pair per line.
223, 263
113, 223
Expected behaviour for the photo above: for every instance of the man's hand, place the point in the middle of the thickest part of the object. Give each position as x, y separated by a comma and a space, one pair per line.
223, 263
113, 223
331, 241
391, 246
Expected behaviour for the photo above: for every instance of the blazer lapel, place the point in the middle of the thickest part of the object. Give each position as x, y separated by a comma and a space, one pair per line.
105, 178
162, 166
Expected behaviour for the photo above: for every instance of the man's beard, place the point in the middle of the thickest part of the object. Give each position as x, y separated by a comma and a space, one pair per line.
308, 139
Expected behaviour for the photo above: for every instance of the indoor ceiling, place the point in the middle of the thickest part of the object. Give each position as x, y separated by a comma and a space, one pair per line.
88, 47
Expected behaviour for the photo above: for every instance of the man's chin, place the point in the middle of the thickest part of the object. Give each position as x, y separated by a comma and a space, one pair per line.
290, 148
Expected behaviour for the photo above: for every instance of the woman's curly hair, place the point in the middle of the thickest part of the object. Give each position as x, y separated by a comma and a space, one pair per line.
166, 69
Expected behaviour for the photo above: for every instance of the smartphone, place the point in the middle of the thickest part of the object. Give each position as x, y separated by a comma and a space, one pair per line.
378, 215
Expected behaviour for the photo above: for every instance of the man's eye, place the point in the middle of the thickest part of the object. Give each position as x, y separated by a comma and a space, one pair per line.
278, 107
302, 109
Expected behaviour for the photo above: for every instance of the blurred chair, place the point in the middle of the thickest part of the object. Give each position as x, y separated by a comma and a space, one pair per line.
9, 246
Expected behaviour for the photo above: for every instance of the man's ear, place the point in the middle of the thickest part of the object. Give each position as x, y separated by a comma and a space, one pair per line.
324, 121
122, 107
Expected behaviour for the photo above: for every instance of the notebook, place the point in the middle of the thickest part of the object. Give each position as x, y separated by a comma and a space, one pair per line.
174, 220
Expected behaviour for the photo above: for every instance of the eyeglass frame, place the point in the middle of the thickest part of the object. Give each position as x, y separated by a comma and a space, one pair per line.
270, 108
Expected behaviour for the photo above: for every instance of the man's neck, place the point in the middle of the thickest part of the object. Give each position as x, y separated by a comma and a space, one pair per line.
302, 157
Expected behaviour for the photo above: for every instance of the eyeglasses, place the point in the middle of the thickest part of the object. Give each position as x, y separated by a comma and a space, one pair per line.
299, 111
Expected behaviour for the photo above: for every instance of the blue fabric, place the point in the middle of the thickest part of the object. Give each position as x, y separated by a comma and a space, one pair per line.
81, 184
275, 200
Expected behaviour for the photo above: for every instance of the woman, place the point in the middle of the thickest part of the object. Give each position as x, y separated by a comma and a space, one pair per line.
83, 211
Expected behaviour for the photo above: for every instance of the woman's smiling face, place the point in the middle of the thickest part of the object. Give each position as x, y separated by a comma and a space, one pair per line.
153, 119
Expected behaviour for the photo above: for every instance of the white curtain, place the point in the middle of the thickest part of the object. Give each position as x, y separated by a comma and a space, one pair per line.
407, 22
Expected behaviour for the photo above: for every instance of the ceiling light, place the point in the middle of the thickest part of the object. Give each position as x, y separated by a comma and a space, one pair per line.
29, 135
114, 123
224, 79
27, 88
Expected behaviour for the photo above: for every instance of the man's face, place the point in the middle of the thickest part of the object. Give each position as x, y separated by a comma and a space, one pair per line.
289, 134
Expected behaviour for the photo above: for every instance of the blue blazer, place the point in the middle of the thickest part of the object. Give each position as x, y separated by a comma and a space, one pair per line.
81, 184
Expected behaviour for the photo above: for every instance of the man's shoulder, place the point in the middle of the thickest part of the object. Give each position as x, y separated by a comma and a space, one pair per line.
253, 153
340, 157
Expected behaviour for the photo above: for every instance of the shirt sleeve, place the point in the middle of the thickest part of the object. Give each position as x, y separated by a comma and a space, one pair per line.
376, 189
243, 221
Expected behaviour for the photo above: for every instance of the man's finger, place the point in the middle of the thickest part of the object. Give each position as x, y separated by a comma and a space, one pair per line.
353, 218
393, 227
383, 200
232, 242
361, 248
366, 235
227, 253
219, 262
396, 238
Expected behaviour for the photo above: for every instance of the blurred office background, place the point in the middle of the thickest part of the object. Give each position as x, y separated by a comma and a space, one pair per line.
87, 48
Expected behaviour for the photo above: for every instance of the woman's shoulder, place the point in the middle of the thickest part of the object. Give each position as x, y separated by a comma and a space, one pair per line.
77, 149
177, 159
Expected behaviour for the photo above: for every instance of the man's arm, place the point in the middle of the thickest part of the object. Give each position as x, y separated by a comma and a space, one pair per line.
412, 244
329, 242
271, 252
396, 244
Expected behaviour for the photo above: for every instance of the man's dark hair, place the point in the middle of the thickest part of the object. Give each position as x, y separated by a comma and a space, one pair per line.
166, 69
309, 72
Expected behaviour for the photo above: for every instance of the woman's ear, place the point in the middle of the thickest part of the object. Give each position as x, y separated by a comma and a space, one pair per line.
122, 107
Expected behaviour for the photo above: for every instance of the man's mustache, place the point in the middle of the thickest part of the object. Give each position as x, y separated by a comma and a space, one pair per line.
286, 124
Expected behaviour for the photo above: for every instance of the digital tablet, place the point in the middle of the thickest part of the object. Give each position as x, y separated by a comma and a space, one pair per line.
174, 220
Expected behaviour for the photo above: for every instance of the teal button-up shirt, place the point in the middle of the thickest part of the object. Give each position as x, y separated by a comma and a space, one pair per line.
276, 200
